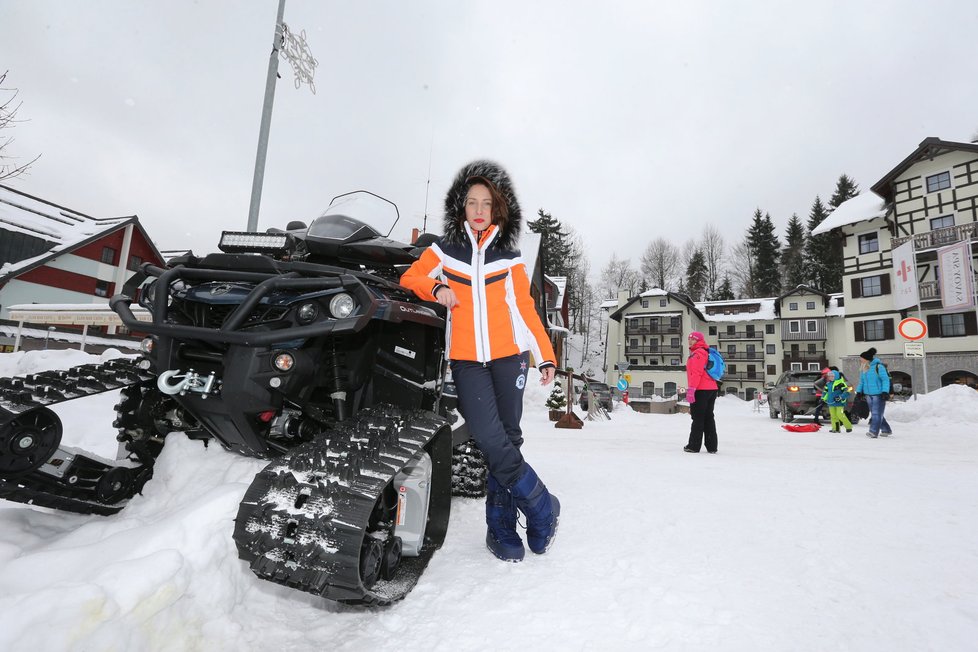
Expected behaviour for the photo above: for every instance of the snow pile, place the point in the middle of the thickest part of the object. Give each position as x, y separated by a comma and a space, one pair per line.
800, 541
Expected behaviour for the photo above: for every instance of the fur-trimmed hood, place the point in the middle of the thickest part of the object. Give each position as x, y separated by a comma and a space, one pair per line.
454, 231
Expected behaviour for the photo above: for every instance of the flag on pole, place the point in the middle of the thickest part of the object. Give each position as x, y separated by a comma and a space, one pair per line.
955, 276
905, 293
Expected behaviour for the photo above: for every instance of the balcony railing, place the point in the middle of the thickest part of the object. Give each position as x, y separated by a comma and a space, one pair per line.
744, 355
931, 290
652, 330
804, 355
939, 237
744, 375
741, 335
653, 350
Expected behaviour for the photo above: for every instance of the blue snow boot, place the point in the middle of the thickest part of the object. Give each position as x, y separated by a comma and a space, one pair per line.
541, 509
501, 537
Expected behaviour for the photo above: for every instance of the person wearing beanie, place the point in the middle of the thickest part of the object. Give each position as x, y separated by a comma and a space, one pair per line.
701, 394
874, 385
475, 270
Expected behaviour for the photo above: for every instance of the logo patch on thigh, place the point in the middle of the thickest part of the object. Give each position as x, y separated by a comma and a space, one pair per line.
520, 381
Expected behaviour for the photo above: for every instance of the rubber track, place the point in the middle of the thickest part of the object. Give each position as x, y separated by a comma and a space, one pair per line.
315, 547
20, 395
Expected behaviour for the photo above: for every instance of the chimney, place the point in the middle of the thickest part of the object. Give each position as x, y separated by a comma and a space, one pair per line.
415, 234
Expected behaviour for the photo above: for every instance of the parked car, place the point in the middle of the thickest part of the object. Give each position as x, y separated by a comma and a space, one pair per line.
794, 393
601, 391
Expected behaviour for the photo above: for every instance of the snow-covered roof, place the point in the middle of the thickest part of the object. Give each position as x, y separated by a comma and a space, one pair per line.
607, 304
654, 292
764, 311
645, 315
62, 228
530, 249
560, 282
860, 208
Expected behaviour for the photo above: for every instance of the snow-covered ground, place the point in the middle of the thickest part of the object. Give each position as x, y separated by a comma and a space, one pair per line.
782, 541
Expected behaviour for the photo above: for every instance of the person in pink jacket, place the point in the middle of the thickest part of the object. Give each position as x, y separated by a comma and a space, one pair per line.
701, 394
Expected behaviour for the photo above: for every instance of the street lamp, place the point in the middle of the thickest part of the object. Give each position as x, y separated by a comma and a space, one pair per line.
47, 335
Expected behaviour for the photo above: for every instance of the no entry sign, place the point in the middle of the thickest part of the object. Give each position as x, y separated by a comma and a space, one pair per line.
912, 328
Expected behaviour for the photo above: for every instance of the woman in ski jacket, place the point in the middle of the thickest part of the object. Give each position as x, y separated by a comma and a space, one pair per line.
476, 271
874, 384
701, 394
836, 396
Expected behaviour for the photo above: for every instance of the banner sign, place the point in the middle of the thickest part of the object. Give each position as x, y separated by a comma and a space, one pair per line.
955, 276
905, 294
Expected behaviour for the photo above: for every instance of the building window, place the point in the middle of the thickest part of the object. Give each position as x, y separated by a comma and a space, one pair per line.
941, 222
731, 348
772, 370
645, 303
870, 286
663, 303
108, 255
810, 305
952, 325
873, 330
752, 349
796, 366
813, 366
794, 327
648, 388
769, 329
731, 330
669, 389
633, 343
633, 362
134, 263
675, 362
713, 330
674, 342
869, 242
811, 326
674, 322
938, 181
811, 347
793, 306
769, 349
101, 288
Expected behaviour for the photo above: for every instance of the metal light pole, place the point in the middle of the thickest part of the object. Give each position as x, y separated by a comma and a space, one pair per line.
48, 335
266, 121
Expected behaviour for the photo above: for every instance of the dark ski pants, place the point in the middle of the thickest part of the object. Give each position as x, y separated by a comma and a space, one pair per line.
704, 425
490, 397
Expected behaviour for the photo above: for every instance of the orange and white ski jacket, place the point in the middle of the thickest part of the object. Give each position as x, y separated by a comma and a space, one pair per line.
496, 316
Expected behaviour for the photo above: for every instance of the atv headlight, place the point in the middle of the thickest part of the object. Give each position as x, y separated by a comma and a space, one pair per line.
341, 306
307, 313
247, 242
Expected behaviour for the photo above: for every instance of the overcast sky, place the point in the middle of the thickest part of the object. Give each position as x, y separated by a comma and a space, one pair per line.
625, 120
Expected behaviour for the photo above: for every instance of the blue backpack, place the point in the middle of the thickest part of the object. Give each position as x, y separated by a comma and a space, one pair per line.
715, 365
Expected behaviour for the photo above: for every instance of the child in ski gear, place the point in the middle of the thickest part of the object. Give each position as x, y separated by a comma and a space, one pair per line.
820, 394
701, 394
874, 384
836, 396
476, 271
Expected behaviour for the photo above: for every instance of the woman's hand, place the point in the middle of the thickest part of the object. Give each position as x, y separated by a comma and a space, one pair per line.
547, 375
446, 297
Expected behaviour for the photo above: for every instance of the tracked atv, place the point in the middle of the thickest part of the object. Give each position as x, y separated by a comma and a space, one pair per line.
296, 345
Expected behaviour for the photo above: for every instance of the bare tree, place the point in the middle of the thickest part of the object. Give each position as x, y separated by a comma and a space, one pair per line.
8, 119
712, 248
660, 264
617, 275
740, 273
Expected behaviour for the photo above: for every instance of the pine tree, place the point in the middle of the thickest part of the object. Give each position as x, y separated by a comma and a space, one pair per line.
817, 249
793, 256
724, 291
555, 247
557, 400
845, 189
763, 241
697, 276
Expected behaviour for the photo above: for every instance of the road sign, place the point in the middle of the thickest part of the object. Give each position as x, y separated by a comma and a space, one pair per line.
622, 384
913, 349
622, 366
912, 328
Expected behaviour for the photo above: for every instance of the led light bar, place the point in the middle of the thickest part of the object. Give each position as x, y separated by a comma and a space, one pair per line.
245, 242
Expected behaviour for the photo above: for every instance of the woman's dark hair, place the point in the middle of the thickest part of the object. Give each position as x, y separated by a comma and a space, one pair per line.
500, 209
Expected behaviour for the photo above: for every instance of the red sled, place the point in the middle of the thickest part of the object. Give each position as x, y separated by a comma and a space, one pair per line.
801, 427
